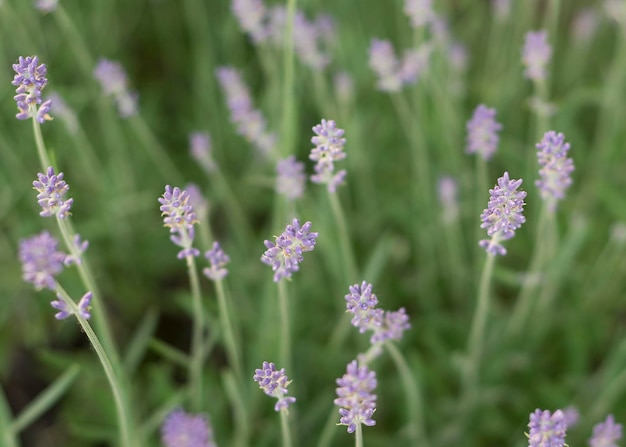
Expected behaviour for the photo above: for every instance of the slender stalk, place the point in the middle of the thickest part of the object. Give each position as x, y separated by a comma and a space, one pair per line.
123, 414
344, 238
358, 436
196, 357
41, 146
228, 332
285, 331
7, 436
284, 426
287, 119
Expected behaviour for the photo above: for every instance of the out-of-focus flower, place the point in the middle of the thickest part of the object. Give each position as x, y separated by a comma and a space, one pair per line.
501, 9
201, 150
198, 203
447, 189
329, 142
61, 110
80, 247
65, 311
571, 416
274, 383
46, 6
355, 396
344, 87
290, 178
218, 260
181, 429
420, 12
114, 82
606, 434
252, 17
394, 73
285, 254
180, 218
616, 9
585, 24
482, 132
41, 260
546, 429
30, 79
503, 215
556, 168
52, 190
536, 55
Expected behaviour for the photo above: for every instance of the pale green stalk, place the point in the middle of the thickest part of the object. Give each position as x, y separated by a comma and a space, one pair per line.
124, 418
196, 358
228, 332
7, 436
41, 146
289, 108
358, 436
240, 409
285, 331
284, 427
344, 238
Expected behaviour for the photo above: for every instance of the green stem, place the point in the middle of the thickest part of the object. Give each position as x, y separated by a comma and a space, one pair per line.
285, 331
123, 414
288, 108
41, 146
284, 426
7, 436
344, 238
229, 333
196, 357
358, 436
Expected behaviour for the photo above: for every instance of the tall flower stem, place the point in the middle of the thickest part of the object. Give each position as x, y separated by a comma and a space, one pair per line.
285, 331
344, 238
284, 426
288, 109
196, 359
477, 334
358, 436
228, 332
41, 146
124, 419
7, 436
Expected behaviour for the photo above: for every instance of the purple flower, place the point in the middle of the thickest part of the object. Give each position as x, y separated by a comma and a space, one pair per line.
180, 218
46, 6
414, 63
393, 326
546, 430
606, 434
503, 215
80, 246
354, 395
218, 259
420, 12
571, 416
447, 190
307, 38
181, 429
114, 82
584, 24
556, 168
52, 190
200, 150
328, 149
362, 303
290, 178
274, 383
66, 311
249, 121
41, 260
482, 132
285, 254
198, 203
252, 17
536, 55
383, 60
63, 111
30, 79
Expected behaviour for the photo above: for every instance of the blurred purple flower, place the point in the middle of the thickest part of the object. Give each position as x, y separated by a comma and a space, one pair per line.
546, 429
114, 82
556, 168
536, 55
201, 150
65, 311
606, 434
420, 12
252, 17
383, 60
285, 254
393, 326
61, 110
52, 190
274, 383
80, 246
218, 260
46, 6
447, 190
354, 395
41, 260
181, 429
501, 9
503, 215
585, 24
180, 218
328, 149
290, 179
344, 87
198, 203
30, 79
571, 416
482, 132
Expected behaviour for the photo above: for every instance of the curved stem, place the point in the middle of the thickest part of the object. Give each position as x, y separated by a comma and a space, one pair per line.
196, 358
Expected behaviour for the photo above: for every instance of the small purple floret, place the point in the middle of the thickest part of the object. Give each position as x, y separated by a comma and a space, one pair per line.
66, 311
181, 429
180, 218
546, 429
606, 434
328, 149
354, 395
41, 260
556, 168
482, 132
290, 179
218, 260
52, 190
114, 82
274, 383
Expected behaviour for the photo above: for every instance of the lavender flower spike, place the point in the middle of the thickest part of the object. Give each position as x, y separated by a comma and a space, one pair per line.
52, 190
354, 395
285, 254
606, 434
536, 55
274, 383
41, 260
114, 82
546, 430
65, 311
218, 259
503, 215
556, 168
180, 218
328, 149
420, 12
30, 79
362, 303
181, 429
385, 63
200, 149
482, 132
252, 17
290, 178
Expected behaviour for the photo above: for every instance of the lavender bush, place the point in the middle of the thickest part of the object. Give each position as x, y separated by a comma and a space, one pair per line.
413, 208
